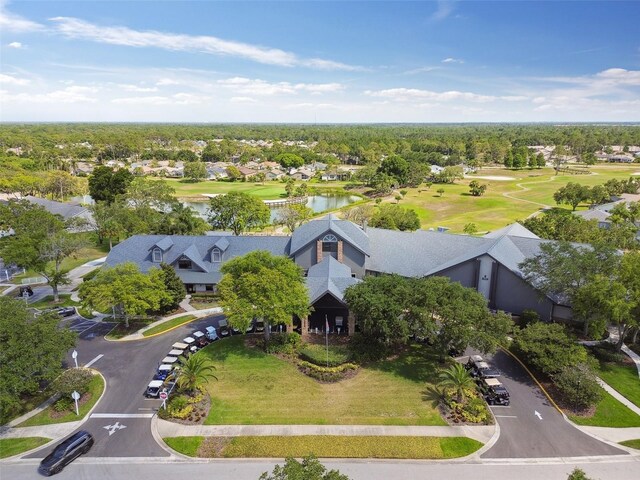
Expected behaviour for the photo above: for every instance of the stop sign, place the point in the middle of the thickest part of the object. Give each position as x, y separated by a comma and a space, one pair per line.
163, 395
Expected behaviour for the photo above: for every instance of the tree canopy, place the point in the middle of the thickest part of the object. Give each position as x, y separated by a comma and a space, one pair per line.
265, 286
395, 217
31, 352
238, 212
105, 184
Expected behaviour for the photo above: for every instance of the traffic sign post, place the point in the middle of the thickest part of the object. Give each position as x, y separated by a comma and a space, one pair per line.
163, 396
76, 396
74, 355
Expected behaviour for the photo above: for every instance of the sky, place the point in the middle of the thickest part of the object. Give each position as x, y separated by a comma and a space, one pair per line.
319, 62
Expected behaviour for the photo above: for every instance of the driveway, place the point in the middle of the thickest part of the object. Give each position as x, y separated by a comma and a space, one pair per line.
531, 427
121, 422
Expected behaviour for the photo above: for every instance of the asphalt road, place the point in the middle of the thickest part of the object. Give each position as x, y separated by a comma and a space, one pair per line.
127, 367
357, 470
523, 434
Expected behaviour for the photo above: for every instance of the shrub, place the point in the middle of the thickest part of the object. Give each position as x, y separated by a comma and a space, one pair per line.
178, 407
473, 410
317, 354
548, 348
578, 385
287, 343
64, 404
77, 379
326, 374
529, 316
607, 353
367, 348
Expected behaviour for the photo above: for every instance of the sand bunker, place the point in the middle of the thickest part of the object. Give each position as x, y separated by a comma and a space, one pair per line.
498, 178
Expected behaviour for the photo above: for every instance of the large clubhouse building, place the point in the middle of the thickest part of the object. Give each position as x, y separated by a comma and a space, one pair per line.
336, 254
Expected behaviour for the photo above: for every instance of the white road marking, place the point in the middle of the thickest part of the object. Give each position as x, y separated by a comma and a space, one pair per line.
505, 416
121, 415
499, 406
145, 408
94, 361
537, 414
114, 428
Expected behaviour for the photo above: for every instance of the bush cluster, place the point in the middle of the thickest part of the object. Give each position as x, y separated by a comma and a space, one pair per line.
578, 386
286, 343
473, 410
63, 404
607, 353
317, 354
77, 379
367, 348
326, 374
178, 407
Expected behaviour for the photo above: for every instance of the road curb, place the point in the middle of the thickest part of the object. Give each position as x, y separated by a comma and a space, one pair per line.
537, 382
169, 329
161, 443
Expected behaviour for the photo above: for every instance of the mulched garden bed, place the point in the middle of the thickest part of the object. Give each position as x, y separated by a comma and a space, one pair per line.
199, 413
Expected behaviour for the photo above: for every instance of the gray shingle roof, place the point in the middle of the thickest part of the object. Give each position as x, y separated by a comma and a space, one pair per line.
513, 230
165, 244
65, 210
329, 276
137, 249
345, 230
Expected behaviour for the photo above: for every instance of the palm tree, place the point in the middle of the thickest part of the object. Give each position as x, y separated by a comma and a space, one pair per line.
195, 371
457, 379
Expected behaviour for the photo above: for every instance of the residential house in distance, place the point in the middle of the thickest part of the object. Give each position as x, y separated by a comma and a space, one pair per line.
601, 213
335, 254
67, 211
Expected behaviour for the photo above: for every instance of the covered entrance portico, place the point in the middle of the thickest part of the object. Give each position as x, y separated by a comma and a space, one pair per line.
330, 311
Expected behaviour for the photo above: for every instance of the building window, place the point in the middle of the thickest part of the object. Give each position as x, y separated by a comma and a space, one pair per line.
184, 264
157, 255
208, 288
330, 244
216, 255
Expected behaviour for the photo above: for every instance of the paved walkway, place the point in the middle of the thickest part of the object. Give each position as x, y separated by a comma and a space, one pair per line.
197, 313
633, 355
616, 435
186, 306
170, 429
57, 430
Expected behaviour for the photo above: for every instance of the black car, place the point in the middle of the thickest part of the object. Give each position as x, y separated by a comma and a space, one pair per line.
77, 444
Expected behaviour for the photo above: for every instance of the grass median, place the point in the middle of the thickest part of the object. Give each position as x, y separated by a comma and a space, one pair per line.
632, 444
49, 416
623, 378
383, 393
169, 324
609, 413
325, 446
13, 446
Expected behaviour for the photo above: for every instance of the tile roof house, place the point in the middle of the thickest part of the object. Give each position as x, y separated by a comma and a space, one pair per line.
336, 254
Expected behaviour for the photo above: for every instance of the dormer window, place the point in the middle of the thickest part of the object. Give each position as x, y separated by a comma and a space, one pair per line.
330, 244
157, 255
184, 263
216, 255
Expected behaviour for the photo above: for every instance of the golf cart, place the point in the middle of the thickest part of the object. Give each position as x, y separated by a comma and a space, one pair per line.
201, 339
192, 346
176, 352
494, 392
211, 333
163, 372
224, 328
481, 369
153, 389
169, 360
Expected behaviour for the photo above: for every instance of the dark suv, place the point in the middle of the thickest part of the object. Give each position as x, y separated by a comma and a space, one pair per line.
70, 448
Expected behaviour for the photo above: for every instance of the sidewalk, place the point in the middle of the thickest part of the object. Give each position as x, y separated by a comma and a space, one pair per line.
197, 313
56, 430
614, 393
481, 433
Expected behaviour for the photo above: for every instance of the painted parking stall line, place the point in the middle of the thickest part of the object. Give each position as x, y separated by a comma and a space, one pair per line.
94, 360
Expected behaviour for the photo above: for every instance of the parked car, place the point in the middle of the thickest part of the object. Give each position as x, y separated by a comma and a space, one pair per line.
259, 326
224, 328
211, 333
154, 388
494, 392
68, 450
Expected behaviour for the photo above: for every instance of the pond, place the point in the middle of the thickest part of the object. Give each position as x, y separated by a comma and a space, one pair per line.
317, 203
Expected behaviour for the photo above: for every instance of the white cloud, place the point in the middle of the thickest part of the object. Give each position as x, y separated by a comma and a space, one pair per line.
407, 94
15, 45
452, 60
10, 80
445, 8
167, 81
75, 94
177, 99
137, 88
79, 29
421, 70
243, 100
248, 87
10, 22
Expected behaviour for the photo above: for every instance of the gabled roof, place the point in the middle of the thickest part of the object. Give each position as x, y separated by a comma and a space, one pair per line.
165, 244
329, 276
191, 252
222, 244
345, 230
65, 210
514, 230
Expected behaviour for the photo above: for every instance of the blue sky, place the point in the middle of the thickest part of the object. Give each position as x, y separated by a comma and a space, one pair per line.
325, 62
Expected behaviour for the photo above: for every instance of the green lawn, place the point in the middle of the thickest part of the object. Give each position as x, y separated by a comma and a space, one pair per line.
504, 202
13, 446
632, 443
609, 413
328, 446
168, 325
96, 386
623, 378
256, 388
47, 302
